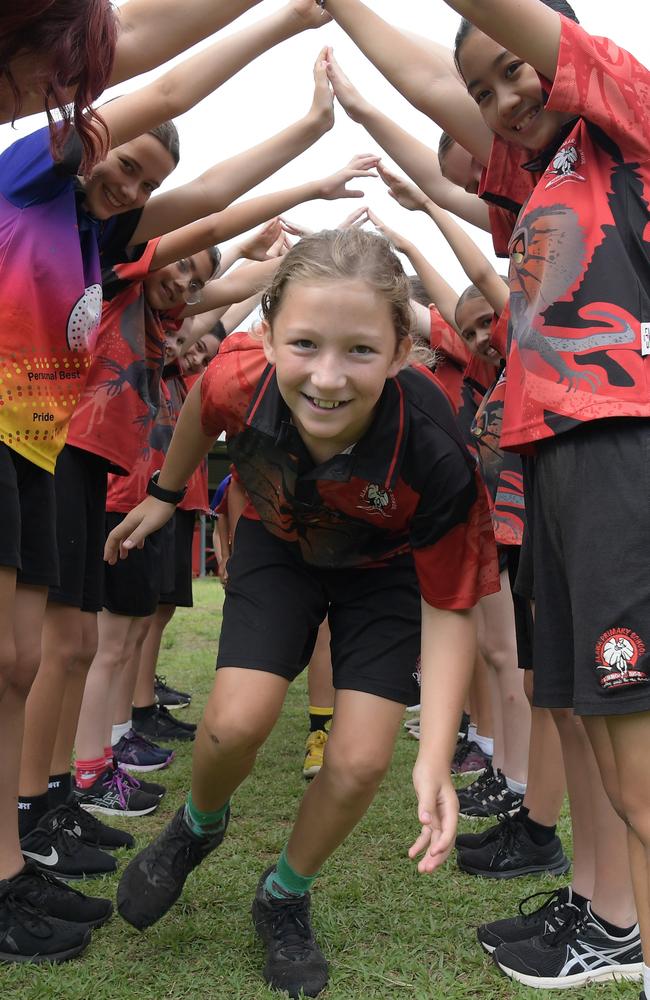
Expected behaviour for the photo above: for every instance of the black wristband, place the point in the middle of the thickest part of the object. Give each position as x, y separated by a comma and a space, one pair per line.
167, 496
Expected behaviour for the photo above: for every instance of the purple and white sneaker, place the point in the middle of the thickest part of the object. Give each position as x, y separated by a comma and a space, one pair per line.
112, 794
136, 753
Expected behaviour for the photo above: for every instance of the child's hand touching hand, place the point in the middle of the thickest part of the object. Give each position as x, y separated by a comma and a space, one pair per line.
257, 246
335, 186
438, 814
405, 193
322, 107
309, 14
399, 242
346, 94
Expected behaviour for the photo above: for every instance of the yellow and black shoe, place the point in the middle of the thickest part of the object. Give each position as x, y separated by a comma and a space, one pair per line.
315, 751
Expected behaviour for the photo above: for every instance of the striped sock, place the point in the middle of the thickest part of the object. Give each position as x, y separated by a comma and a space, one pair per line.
204, 824
283, 880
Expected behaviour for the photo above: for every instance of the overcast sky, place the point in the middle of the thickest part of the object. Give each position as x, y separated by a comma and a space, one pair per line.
277, 89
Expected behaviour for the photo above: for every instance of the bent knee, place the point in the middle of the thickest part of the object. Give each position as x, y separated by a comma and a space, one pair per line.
233, 732
352, 772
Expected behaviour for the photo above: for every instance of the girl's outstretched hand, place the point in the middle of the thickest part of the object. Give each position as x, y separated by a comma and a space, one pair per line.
346, 94
334, 187
142, 521
294, 228
322, 106
438, 815
356, 218
398, 241
308, 14
257, 246
405, 192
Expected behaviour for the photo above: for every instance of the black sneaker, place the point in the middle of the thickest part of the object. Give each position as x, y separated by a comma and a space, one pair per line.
54, 847
159, 723
166, 695
578, 953
551, 914
476, 790
150, 787
513, 854
472, 841
90, 829
294, 962
28, 935
495, 799
56, 899
113, 795
154, 879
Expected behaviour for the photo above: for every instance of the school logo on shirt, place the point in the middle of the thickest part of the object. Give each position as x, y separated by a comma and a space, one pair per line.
565, 166
84, 318
376, 500
617, 654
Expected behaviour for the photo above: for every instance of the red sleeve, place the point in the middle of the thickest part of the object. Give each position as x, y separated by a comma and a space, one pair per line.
499, 332
228, 383
505, 187
606, 85
461, 567
444, 338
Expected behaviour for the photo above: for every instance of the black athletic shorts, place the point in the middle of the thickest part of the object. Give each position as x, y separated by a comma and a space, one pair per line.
523, 613
28, 521
133, 585
181, 593
590, 533
80, 485
275, 603
525, 583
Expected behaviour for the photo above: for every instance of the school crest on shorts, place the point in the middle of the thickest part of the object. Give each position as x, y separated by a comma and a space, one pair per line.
565, 166
617, 655
377, 500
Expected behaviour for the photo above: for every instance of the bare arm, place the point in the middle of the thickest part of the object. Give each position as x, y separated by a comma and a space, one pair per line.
238, 311
235, 287
471, 258
189, 446
527, 28
178, 90
448, 654
417, 160
423, 72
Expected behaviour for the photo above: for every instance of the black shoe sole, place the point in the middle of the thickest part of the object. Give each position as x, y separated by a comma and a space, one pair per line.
561, 868
58, 956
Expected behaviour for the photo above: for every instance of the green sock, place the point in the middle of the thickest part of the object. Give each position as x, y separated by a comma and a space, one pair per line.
204, 824
283, 881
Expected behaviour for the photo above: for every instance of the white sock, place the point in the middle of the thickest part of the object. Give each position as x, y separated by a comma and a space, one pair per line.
472, 733
516, 786
119, 731
646, 980
486, 743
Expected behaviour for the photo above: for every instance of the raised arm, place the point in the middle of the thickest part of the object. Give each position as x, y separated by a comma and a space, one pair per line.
178, 90
219, 186
417, 160
527, 28
422, 71
240, 284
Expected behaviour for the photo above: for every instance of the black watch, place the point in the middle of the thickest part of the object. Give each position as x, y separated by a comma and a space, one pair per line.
167, 496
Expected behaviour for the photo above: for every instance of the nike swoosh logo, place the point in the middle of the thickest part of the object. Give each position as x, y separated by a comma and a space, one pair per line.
45, 859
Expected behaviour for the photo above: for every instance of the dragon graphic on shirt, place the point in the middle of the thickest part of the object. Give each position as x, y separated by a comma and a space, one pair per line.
549, 253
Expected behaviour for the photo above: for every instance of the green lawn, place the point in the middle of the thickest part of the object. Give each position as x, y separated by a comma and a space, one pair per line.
387, 932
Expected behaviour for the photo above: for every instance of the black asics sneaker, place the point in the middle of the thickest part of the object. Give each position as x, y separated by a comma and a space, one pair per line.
166, 695
29, 935
113, 795
56, 899
88, 828
578, 953
149, 787
160, 724
55, 848
551, 913
294, 962
472, 841
513, 854
154, 879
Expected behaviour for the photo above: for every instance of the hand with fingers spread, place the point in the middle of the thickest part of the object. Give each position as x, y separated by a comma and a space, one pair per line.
295, 229
437, 814
309, 14
334, 187
257, 246
322, 107
356, 218
345, 92
399, 242
142, 521
405, 192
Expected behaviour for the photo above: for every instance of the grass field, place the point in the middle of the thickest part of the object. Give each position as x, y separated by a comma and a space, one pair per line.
387, 932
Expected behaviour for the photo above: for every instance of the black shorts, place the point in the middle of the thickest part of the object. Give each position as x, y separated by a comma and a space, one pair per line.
80, 484
523, 613
275, 603
133, 585
181, 593
28, 522
525, 583
590, 534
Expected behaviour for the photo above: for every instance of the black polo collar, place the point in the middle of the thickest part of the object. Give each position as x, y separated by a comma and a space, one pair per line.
377, 457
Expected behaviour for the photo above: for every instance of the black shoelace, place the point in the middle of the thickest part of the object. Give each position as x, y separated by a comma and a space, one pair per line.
47, 879
507, 837
290, 927
546, 897
23, 912
575, 923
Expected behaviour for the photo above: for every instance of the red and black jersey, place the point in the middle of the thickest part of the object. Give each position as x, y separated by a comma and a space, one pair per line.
408, 485
579, 334
118, 408
452, 355
501, 470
